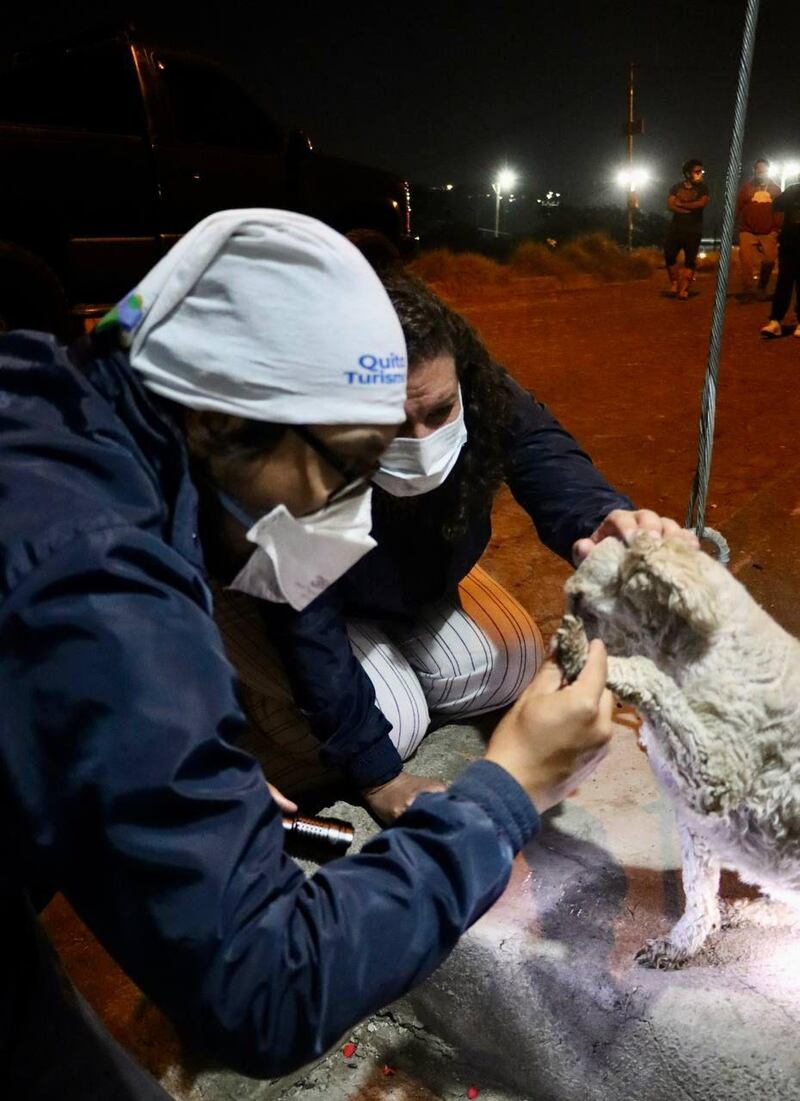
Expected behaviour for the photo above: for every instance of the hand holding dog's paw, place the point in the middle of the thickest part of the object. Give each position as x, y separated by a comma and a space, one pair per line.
555, 735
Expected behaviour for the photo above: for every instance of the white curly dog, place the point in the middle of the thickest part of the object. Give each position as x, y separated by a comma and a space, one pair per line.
717, 683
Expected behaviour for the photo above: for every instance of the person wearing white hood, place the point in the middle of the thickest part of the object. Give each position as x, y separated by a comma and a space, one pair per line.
263, 367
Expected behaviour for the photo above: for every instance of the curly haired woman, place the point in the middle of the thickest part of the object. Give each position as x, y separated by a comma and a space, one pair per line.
416, 631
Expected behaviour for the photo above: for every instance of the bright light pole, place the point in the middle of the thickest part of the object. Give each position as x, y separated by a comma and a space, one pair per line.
632, 179
504, 182
787, 170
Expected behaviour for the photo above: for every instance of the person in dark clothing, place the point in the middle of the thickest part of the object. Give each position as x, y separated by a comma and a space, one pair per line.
787, 204
246, 376
687, 201
417, 630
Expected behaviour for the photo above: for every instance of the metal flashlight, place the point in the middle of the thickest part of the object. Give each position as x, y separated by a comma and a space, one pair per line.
329, 831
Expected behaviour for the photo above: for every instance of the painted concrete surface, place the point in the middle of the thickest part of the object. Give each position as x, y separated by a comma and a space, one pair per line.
544, 992
542, 1000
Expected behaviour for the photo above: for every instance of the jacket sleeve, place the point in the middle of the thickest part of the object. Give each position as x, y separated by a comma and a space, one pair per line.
332, 690
118, 748
556, 483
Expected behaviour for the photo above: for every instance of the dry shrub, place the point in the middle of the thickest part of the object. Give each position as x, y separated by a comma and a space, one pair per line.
460, 271
649, 259
595, 256
534, 258
601, 258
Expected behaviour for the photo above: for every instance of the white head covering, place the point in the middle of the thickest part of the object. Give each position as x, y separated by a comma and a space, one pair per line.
269, 315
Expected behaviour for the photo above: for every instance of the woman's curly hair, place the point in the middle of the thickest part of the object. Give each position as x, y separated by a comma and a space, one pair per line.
431, 329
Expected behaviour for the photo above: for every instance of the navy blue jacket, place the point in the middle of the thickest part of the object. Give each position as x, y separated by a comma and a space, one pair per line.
550, 477
120, 781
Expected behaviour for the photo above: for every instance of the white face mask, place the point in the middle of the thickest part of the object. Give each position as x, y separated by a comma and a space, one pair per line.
409, 466
298, 557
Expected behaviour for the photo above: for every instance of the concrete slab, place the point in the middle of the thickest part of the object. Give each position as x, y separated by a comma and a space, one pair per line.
543, 993
542, 1000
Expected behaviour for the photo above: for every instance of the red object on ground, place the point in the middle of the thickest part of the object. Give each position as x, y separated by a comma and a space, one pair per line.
472, 1092
388, 1072
349, 1050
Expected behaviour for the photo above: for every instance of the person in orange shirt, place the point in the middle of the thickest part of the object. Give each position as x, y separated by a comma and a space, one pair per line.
758, 230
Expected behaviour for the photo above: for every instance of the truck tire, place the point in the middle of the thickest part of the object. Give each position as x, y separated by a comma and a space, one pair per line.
31, 294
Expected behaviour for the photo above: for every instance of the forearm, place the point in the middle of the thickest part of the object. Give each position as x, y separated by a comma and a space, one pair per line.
553, 479
120, 730
333, 690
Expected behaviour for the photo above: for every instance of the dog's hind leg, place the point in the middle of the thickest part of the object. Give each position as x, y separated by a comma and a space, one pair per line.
701, 870
764, 913
696, 763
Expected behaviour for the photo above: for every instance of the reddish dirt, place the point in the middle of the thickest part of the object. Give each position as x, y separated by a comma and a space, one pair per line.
622, 367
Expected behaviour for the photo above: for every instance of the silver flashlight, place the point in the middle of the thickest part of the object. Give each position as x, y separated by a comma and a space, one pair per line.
328, 831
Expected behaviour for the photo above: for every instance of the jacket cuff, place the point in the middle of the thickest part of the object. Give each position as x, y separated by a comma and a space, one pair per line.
367, 768
498, 794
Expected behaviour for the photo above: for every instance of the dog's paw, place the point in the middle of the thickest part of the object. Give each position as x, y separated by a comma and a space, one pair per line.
572, 646
661, 954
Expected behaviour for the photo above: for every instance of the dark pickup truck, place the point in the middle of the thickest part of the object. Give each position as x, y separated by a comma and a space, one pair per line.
111, 149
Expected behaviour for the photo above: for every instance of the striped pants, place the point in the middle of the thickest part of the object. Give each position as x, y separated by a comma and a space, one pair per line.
455, 661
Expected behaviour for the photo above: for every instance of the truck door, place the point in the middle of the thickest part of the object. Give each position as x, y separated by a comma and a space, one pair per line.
215, 149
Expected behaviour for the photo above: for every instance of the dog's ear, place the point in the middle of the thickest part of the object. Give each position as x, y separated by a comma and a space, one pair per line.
668, 576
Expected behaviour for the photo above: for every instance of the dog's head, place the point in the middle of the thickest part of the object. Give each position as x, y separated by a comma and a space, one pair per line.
652, 597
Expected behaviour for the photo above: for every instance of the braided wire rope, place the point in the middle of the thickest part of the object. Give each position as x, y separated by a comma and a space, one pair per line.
696, 512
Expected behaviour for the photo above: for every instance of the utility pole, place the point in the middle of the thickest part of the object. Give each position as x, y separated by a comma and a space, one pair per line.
633, 201
633, 126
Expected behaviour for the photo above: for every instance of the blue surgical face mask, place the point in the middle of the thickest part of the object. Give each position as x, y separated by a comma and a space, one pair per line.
234, 509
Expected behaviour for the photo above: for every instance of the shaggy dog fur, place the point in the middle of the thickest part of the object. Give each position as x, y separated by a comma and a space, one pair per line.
717, 683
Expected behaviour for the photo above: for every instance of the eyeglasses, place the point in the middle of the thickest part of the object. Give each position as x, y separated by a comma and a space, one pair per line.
355, 475
698, 171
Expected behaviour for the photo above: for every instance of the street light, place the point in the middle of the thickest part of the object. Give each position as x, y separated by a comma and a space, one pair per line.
633, 178
787, 170
504, 182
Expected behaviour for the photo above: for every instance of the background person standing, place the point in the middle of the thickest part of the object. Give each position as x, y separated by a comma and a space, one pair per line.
686, 200
759, 224
787, 204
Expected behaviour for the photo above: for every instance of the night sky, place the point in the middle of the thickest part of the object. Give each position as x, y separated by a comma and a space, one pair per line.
445, 92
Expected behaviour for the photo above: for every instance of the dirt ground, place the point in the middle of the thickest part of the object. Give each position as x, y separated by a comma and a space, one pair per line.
622, 367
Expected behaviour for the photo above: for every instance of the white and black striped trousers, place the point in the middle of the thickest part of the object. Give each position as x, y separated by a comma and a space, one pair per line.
456, 660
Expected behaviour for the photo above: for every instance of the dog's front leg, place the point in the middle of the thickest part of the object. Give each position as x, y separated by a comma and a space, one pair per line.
701, 914
690, 750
